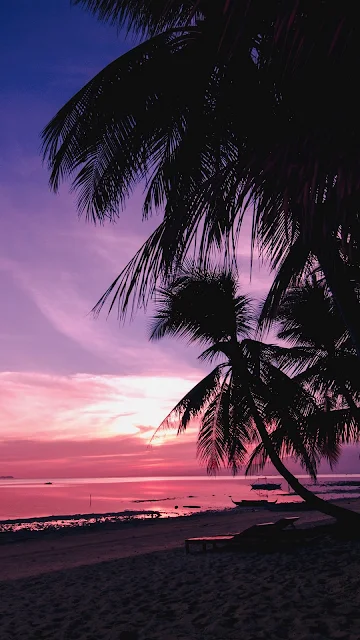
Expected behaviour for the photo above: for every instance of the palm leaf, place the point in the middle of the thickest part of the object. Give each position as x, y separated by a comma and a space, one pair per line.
286, 404
189, 307
242, 432
295, 360
257, 460
142, 16
326, 433
307, 316
100, 131
174, 113
137, 281
192, 404
336, 427
221, 440
211, 447
289, 272
286, 448
337, 374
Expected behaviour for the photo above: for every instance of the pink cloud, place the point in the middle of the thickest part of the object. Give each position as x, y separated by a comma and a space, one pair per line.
89, 424
85, 405
71, 379
111, 457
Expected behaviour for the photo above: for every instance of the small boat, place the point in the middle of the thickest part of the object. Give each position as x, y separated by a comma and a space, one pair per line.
47, 482
253, 503
191, 506
266, 486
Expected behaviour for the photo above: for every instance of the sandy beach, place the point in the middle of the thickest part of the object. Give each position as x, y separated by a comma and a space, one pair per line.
137, 584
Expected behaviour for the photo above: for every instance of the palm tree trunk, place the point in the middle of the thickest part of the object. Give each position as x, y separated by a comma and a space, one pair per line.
342, 289
330, 509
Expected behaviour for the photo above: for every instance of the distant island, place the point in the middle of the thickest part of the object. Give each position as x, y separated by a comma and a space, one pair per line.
6, 477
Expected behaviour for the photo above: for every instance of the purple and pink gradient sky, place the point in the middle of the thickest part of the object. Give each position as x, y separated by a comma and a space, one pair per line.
78, 396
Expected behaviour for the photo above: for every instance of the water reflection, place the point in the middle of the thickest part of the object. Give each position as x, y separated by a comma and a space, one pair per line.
110, 501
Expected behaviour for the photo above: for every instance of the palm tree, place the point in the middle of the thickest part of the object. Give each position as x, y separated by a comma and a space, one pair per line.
321, 356
225, 104
153, 16
246, 399
337, 257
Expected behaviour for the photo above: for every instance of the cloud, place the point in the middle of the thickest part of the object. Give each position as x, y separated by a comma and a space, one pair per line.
81, 395
109, 457
85, 406
63, 267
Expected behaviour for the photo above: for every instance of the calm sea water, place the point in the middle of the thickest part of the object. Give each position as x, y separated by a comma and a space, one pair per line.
172, 496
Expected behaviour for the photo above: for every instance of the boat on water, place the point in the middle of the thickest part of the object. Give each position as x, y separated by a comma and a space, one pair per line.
253, 503
191, 506
263, 485
47, 482
266, 486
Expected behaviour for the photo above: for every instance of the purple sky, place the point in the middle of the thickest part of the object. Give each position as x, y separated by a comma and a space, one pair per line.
77, 396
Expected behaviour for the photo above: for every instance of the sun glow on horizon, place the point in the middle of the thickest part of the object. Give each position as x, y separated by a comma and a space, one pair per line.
86, 405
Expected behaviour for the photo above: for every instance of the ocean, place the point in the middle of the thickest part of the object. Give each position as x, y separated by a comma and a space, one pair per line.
168, 496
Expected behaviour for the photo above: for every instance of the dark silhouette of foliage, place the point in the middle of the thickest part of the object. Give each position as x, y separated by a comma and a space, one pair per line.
225, 106
249, 401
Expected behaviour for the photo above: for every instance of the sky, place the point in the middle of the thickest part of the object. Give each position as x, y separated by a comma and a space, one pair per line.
78, 396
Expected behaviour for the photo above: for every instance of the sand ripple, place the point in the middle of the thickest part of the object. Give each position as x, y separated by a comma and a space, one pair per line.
309, 594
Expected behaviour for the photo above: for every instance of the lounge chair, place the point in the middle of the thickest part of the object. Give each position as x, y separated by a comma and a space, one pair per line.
286, 522
265, 530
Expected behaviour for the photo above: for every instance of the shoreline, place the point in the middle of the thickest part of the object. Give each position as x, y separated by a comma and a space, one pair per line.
128, 518
46, 554
136, 583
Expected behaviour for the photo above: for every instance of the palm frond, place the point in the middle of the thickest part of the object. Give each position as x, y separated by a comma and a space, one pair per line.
327, 432
257, 460
243, 433
296, 360
111, 131
252, 385
192, 404
285, 448
221, 439
337, 374
289, 273
307, 316
146, 17
287, 404
332, 429
136, 283
211, 444
189, 307
213, 352
173, 113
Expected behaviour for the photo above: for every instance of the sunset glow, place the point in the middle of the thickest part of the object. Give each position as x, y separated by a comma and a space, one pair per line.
78, 396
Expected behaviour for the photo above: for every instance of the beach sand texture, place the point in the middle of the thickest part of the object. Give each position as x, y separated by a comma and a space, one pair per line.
311, 593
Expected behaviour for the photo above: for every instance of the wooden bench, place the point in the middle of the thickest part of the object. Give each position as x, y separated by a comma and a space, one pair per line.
286, 522
256, 531
212, 540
